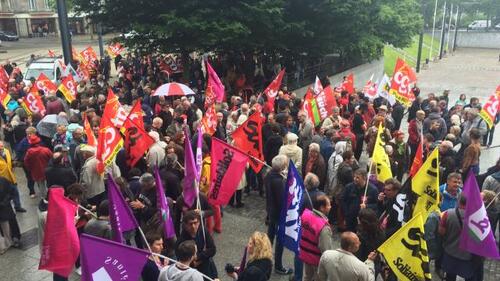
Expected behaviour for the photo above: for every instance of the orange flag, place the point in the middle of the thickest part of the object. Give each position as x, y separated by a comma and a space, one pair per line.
32, 102
209, 121
91, 139
348, 84
248, 138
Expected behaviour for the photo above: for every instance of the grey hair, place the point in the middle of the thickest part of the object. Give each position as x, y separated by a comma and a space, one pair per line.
146, 178
314, 147
311, 181
279, 162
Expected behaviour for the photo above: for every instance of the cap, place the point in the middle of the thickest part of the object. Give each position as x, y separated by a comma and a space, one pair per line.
87, 148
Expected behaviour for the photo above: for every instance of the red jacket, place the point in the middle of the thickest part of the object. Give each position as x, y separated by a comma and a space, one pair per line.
36, 159
413, 133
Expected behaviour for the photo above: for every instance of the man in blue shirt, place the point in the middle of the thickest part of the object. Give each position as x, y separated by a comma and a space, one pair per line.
450, 191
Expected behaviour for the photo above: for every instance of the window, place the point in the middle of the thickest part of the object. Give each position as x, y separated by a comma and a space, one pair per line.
32, 5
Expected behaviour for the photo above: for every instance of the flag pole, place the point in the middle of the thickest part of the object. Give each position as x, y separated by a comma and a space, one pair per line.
198, 206
494, 198
87, 210
367, 180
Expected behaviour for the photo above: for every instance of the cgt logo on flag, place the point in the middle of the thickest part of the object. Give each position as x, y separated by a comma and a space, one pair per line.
479, 225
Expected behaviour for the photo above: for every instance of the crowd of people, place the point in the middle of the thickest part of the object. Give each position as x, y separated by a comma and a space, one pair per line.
331, 157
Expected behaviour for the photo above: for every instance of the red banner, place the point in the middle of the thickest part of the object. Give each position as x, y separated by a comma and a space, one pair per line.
60, 246
490, 108
4, 77
109, 142
137, 141
114, 50
272, 90
68, 88
136, 116
348, 84
171, 65
33, 103
228, 166
248, 138
114, 110
44, 84
403, 77
209, 121
91, 139
89, 56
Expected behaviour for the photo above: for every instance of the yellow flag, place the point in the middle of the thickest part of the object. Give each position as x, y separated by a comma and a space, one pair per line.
381, 159
425, 184
406, 251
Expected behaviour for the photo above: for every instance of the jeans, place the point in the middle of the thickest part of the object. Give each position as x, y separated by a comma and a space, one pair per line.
16, 199
272, 231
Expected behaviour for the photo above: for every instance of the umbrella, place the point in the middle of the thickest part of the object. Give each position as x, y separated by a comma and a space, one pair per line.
48, 125
173, 89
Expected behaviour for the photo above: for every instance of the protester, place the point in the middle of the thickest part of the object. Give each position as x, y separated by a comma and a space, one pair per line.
341, 264
259, 265
155, 264
36, 159
99, 226
180, 271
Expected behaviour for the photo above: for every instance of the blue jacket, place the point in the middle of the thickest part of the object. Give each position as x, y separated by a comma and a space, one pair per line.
449, 201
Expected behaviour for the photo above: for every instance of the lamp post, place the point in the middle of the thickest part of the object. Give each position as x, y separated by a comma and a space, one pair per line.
62, 14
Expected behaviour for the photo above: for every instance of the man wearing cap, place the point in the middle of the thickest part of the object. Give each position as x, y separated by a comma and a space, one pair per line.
36, 159
92, 181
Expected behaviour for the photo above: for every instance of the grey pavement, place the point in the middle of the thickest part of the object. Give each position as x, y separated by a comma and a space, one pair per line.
239, 224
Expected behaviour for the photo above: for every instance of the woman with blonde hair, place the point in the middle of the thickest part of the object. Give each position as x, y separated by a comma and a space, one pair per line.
259, 257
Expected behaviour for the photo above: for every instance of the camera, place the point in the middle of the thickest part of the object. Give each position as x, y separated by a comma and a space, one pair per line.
229, 268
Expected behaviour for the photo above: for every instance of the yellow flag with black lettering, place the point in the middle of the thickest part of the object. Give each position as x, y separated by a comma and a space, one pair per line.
381, 159
406, 251
425, 184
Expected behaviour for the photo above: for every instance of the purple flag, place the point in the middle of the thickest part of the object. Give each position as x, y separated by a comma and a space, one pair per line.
106, 260
243, 262
120, 216
199, 154
476, 236
162, 204
190, 171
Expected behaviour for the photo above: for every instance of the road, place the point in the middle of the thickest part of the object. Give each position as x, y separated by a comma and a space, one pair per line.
474, 72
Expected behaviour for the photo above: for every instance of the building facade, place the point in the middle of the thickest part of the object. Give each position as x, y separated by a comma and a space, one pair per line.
34, 18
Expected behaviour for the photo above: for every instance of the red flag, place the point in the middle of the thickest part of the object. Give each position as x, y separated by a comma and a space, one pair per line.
4, 77
91, 139
272, 90
317, 87
61, 246
114, 49
44, 84
114, 110
215, 83
401, 80
248, 138
89, 56
348, 84
4, 97
68, 88
228, 166
209, 121
109, 143
330, 100
52, 54
135, 115
418, 161
32, 102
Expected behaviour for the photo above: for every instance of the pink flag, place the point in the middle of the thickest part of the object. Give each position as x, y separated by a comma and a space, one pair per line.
162, 204
228, 166
476, 236
61, 246
120, 215
199, 154
190, 191
215, 83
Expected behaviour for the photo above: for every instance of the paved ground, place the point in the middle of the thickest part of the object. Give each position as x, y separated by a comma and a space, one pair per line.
479, 73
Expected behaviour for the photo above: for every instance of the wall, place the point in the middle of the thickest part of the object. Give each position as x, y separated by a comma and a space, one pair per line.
478, 39
362, 73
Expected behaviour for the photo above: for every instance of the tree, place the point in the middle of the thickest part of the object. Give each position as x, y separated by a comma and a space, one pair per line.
351, 28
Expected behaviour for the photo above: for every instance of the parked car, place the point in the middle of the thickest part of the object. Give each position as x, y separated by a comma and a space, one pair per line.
8, 36
51, 67
479, 24
497, 26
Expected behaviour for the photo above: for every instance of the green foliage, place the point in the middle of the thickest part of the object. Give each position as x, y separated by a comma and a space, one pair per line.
352, 28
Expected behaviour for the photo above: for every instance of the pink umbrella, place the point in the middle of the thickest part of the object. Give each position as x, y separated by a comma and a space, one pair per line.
173, 89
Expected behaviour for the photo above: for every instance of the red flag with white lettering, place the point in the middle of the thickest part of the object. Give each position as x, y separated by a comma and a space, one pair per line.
44, 84
209, 121
228, 166
401, 80
272, 90
248, 138
32, 102
68, 88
